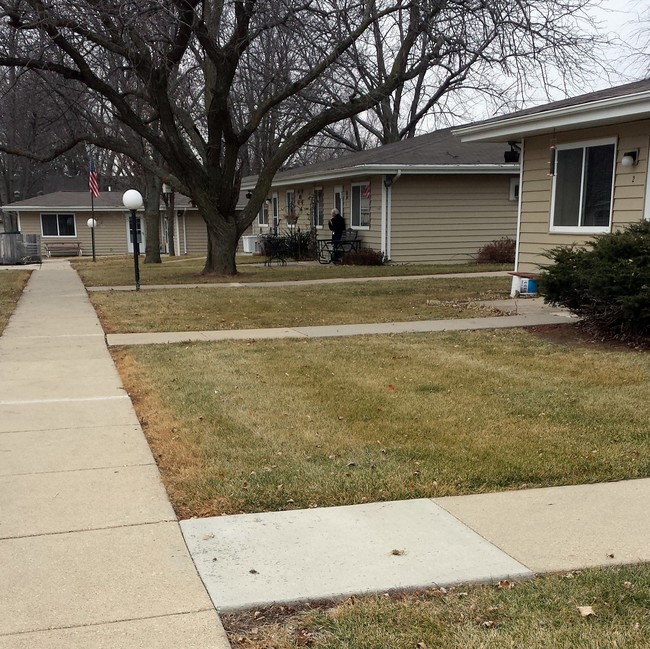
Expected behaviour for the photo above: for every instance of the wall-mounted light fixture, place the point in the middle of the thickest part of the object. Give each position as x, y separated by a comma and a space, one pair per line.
630, 158
249, 195
512, 155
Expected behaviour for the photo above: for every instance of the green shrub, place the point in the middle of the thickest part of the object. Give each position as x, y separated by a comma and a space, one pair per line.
606, 283
365, 257
499, 251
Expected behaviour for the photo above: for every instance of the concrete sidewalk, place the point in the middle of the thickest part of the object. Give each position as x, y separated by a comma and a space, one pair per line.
92, 555
91, 552
520, 313
251, 560
302, 282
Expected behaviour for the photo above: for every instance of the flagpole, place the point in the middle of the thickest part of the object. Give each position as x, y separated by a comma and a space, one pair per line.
93, 188
94, 223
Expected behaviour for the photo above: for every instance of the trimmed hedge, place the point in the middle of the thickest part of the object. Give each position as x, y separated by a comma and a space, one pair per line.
606, 283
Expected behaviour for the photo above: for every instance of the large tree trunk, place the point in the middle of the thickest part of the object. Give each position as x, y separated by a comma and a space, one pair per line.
223, 237
152, 220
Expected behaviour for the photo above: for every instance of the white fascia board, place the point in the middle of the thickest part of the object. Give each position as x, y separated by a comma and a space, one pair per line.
595, 113
390, 170
62, 208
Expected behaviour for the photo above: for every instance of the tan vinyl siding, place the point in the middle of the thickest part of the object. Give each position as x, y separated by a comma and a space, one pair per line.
445, 219
194, 236
303, 198
110, 232
629, 188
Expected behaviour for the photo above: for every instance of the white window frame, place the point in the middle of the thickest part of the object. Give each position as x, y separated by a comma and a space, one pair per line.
275, 210
314, 216
263, 215
583, 229
358, 226
58, 229
290, 201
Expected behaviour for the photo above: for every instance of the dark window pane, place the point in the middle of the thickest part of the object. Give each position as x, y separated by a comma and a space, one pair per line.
568, 180
597, 199
48, 222
356, 205
66, 225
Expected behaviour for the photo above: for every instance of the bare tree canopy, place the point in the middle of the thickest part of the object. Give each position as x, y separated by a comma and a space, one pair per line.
197, 82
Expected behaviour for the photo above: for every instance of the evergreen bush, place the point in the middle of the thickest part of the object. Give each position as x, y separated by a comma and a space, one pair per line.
606, 283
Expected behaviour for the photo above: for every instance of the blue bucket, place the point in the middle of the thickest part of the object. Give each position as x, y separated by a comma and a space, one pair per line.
527, 286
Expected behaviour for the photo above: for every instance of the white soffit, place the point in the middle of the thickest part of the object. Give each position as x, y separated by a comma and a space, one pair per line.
597, 113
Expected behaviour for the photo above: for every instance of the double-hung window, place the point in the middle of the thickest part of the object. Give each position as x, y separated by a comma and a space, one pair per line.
582, 187
290, 202
360, 205
263, 215
58, 225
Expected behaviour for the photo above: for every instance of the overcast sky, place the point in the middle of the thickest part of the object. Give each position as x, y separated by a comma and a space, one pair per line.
620, 18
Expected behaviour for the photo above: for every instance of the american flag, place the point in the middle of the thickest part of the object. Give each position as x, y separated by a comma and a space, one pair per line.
93, 185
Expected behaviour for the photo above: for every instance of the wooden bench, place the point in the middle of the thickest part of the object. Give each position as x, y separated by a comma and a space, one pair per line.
63, 248
331, 251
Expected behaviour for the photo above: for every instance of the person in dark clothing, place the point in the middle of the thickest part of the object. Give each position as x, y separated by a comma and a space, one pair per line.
336, 225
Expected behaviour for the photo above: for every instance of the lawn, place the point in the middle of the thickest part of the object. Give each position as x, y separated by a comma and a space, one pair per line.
261, 426
12, 283
537, 614
200, 309
118, 271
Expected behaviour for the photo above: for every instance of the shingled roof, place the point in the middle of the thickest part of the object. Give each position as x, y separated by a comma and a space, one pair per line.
78, 201
437, 152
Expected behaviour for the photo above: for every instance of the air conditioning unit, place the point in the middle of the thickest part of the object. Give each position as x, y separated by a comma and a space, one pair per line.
251, 245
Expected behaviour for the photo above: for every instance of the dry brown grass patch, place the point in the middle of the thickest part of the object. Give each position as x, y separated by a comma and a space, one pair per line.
178, 461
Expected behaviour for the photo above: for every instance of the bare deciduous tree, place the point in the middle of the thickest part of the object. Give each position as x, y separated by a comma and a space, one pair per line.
200, 85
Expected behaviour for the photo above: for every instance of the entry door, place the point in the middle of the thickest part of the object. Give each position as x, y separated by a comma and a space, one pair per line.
139, 225
338, 200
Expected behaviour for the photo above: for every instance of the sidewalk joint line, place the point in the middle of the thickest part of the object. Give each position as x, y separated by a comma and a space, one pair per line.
135, 427
80, 470
87, 530
63, 336
106, 622
19, 402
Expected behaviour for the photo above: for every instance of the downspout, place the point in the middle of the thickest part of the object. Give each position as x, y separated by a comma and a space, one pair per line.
388, 183
515, 280
177, 243
646, 204
384, 215
185, 231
